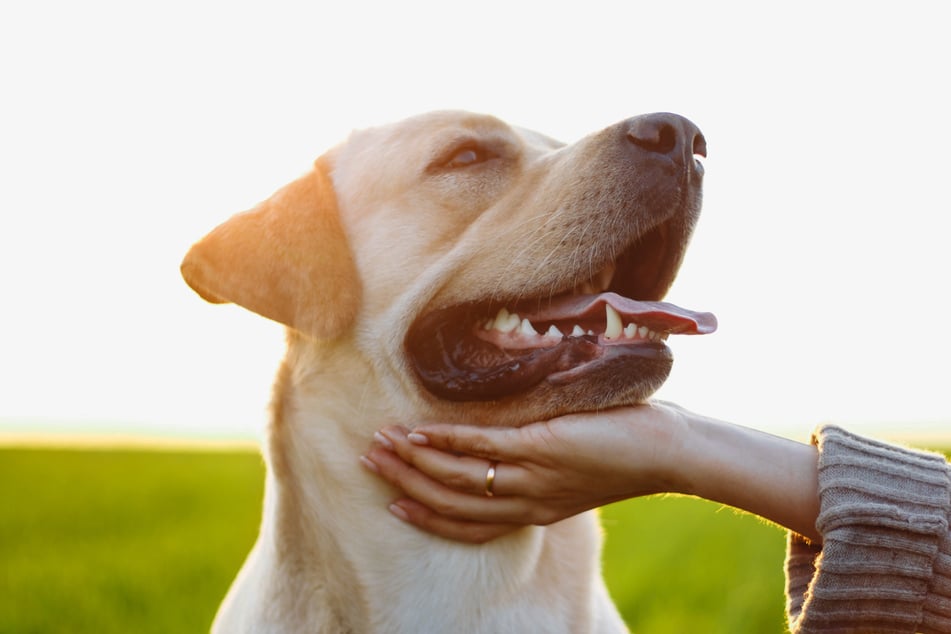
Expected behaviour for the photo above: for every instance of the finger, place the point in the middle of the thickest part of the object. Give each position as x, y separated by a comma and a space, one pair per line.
494, 443
425, 518
432, 481
444, 500
460, 472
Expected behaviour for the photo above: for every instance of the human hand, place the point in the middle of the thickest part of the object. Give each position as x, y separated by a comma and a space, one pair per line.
545, 472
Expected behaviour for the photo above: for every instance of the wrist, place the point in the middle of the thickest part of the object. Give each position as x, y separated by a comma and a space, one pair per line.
668, 436
766, 475
700, 467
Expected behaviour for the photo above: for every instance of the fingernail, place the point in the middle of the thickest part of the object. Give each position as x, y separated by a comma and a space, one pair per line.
399, 512
383, 440
369, 464
417, 439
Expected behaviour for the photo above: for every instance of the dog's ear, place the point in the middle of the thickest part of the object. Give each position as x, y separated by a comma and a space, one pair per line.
286, 259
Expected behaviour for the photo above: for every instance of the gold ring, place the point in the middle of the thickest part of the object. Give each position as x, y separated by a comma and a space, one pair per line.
490, 479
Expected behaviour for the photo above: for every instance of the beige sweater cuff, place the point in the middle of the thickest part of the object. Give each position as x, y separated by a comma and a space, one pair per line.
885, 561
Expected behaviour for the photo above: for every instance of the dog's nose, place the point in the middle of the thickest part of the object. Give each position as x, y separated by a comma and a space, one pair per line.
667, 134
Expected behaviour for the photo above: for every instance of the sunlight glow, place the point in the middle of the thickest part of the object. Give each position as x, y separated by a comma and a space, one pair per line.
135, 130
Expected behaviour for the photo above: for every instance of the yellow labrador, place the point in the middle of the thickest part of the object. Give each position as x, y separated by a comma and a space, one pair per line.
448, 267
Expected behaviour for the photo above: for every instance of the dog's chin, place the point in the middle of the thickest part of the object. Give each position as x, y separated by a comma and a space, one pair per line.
583, 351
611, 384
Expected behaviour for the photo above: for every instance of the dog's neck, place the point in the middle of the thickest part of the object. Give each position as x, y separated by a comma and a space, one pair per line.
328, 539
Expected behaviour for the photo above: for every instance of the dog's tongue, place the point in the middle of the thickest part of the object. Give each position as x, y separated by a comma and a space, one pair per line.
664, 316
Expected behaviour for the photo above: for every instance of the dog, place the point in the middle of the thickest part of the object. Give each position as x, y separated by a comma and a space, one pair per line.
448, 267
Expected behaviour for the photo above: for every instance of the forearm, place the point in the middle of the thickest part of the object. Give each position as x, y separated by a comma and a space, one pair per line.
766, 475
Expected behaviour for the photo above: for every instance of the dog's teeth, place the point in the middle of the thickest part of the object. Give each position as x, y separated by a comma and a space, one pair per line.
642, 331
630, 330
614, 327
554, 332
577, 331
501, 317
526, 328
505, 321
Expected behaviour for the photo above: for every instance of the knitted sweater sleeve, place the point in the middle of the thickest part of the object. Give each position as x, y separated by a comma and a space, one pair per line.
884, 564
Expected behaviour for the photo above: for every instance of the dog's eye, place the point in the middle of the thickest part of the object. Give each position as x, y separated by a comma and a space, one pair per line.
467, 156
463, 158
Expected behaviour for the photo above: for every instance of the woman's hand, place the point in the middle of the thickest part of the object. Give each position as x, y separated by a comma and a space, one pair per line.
544, 471
547, 471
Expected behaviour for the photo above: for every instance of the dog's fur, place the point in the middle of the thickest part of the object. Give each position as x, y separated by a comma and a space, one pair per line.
448, 210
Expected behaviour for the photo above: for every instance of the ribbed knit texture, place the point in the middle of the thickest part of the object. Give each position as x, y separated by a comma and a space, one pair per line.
884, 564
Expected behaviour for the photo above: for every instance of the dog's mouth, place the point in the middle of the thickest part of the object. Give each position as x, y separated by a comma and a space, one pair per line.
490, 350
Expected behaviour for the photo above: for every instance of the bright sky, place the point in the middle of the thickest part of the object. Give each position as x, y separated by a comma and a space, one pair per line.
127, 130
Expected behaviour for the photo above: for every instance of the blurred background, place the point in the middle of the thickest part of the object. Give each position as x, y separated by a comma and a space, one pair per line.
130, 129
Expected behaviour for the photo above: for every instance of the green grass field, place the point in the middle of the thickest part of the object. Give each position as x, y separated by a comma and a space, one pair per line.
148, 541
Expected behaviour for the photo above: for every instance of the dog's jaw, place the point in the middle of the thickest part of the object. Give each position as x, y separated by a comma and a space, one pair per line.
504, 349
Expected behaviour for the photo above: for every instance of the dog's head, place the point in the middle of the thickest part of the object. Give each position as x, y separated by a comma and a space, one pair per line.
479, 264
